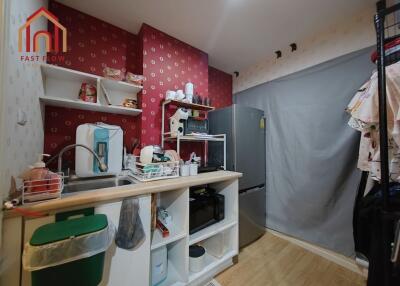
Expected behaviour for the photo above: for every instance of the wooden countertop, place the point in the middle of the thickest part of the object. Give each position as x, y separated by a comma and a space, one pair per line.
117, 193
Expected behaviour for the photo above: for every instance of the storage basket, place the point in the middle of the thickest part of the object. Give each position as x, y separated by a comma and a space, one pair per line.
42, 190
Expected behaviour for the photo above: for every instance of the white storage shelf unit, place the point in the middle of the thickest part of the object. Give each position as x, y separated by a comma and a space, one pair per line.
176, 203
61, 88
166, 136
122, 267
179, 240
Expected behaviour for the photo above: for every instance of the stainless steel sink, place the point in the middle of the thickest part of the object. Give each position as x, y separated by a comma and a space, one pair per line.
95, 183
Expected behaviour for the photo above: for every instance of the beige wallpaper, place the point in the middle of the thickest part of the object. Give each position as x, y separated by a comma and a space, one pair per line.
345, 37
22, 85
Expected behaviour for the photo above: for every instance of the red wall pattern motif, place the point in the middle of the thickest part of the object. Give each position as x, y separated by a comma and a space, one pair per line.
166, 62
219, 88
94, 44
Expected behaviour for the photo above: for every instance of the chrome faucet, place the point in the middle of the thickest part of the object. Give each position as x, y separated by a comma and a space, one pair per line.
103, 167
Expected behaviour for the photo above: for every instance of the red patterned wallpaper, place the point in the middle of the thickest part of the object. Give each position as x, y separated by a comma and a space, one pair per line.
219, 88
94, 44
166, 62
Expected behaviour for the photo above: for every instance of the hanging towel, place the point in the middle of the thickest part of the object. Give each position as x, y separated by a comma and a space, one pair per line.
130, 234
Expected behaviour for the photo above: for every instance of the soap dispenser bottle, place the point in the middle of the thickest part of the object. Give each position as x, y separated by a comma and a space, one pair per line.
37, 176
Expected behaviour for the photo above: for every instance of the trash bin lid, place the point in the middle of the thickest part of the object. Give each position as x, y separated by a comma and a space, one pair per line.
61, 230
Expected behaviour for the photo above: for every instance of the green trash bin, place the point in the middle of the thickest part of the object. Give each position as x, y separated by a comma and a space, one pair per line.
69, 252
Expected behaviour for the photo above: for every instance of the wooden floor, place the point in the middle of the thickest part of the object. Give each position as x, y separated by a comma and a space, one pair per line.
273, 261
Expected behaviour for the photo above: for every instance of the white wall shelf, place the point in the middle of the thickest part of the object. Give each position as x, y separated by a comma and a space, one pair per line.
78, 104
122, 110
61, 88
60, 73
122, 86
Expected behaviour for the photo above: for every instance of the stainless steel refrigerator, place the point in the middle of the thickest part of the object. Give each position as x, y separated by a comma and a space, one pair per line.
245, 134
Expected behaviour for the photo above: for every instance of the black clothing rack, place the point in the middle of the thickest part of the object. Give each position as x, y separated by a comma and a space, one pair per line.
387, 28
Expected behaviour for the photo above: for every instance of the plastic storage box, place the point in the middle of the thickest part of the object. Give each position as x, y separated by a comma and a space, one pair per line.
69, 252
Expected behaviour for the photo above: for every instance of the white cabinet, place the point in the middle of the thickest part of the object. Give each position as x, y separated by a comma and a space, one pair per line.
225, 232
10, 252
128, 267
222, 235
132, 267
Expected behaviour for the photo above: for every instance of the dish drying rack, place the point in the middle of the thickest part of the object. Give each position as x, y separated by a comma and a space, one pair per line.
35, 191
155, 171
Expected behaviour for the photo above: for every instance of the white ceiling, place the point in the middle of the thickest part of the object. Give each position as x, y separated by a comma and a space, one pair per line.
235, 33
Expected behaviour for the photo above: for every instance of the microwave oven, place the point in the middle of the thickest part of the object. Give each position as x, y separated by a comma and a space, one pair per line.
206, 207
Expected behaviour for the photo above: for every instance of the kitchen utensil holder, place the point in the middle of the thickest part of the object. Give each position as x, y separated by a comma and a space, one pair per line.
42, 190
155, 171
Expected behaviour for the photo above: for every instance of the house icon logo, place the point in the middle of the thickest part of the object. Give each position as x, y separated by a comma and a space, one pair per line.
52, 40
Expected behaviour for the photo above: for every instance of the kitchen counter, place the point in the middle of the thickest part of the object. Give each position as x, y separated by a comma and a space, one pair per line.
95, 197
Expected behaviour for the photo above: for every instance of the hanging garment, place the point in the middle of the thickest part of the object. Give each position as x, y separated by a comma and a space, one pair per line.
368, 231
368, 215
364, 111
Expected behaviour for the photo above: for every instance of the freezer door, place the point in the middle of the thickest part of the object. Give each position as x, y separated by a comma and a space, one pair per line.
249, 147
251, 215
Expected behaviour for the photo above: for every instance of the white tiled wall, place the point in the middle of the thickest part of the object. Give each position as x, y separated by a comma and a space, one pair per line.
23, 86
344, 37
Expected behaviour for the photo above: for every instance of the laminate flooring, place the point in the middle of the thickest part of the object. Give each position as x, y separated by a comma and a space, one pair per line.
273, 261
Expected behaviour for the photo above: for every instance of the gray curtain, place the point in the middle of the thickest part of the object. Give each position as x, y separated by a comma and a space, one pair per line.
312, 177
